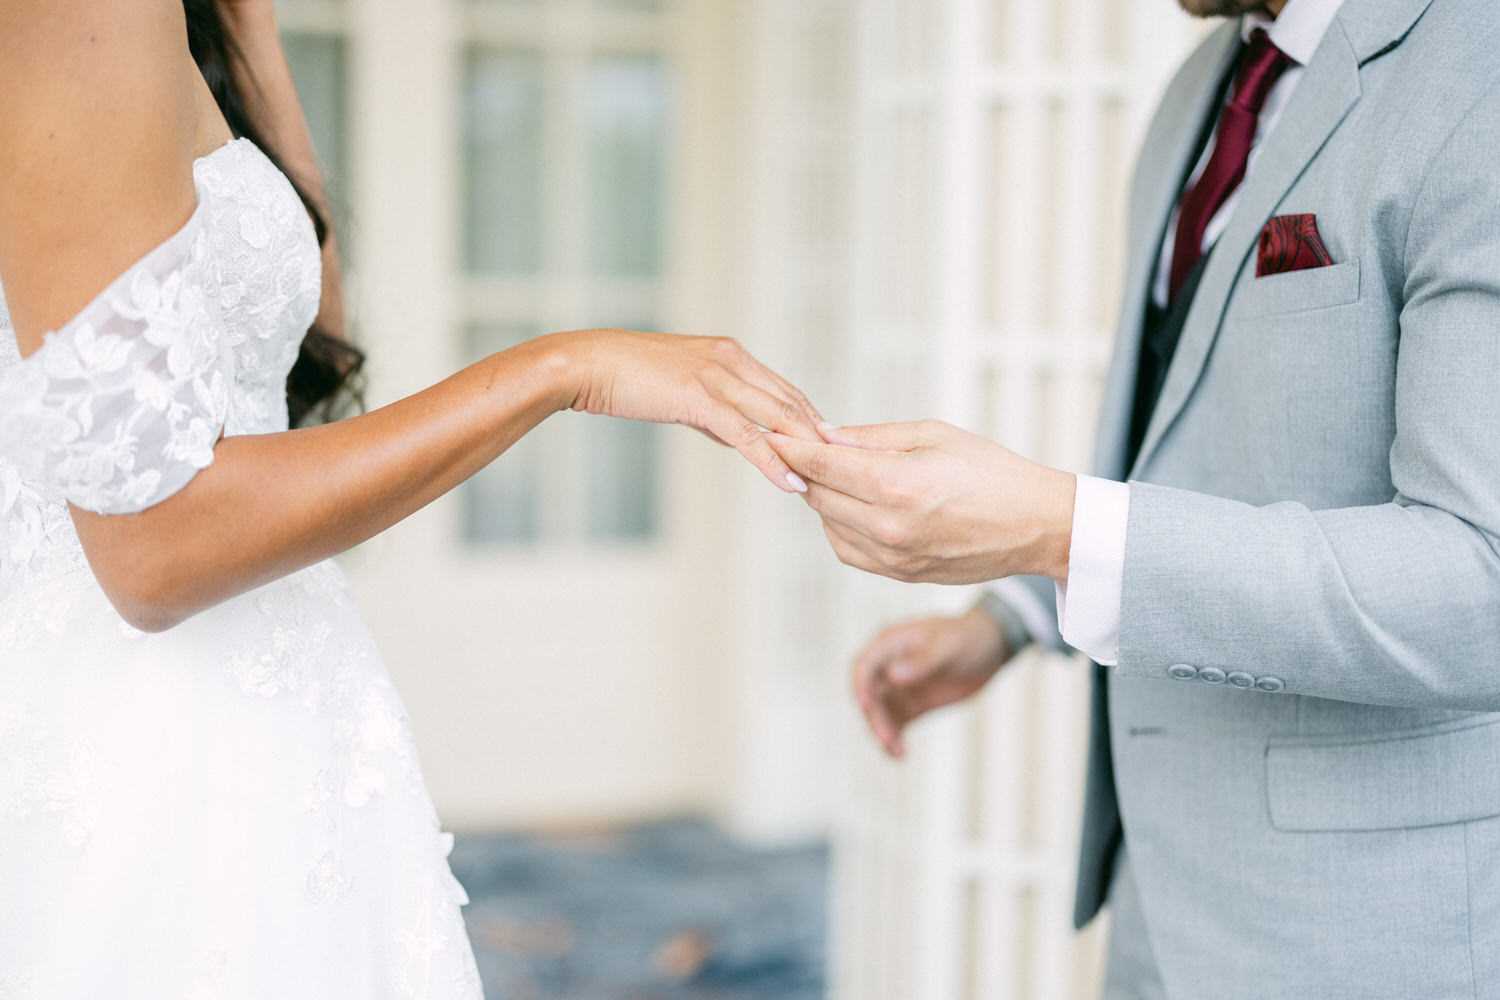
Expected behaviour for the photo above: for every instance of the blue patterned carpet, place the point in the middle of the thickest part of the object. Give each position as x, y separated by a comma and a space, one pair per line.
666, 912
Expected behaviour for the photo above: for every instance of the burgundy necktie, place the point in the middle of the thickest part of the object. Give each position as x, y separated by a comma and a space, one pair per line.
1260, 67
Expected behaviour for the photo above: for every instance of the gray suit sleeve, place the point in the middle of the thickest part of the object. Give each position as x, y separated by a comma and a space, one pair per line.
1397, 604
1013, 620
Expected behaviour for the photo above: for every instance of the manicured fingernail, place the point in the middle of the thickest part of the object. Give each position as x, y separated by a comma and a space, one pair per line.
824, 427
795, 482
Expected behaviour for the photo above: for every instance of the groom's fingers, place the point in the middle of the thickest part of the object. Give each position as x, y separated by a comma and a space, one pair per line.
880, 437
871, 690
874, 690
850, 513
871, 662
857, 549
888, 726
851, 548
850, 471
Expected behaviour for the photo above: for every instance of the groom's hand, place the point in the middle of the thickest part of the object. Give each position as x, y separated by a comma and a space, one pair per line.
913, 668
927, 502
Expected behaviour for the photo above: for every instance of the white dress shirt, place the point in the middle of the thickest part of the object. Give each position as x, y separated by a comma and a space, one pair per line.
1088, 605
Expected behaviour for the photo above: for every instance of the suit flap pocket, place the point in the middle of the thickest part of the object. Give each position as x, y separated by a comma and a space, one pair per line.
1448, 773
1299, 291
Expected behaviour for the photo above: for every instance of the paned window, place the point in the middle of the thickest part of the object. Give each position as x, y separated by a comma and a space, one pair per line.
566, 109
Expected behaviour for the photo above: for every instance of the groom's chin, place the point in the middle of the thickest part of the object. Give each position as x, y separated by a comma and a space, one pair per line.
1221, 8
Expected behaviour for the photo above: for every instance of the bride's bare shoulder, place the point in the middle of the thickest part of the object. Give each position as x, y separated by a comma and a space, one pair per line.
97, 123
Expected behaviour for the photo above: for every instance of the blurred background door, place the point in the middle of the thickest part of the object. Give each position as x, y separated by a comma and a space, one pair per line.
912, 208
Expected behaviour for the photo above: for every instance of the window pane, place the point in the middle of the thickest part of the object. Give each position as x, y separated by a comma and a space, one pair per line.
622, 477
503, 162
646, 6
628, 117
319, 66
503, 502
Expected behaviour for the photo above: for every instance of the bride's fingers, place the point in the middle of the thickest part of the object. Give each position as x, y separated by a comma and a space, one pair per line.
711, 436
796, 395
746, 367
773, 412
742, 432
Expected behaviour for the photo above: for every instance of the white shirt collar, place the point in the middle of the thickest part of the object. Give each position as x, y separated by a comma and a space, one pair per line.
1299, 30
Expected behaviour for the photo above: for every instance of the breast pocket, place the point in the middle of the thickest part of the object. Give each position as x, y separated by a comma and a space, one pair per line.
1300, 291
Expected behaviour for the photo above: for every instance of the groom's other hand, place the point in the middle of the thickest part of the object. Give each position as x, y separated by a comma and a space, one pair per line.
913, 668
926, 502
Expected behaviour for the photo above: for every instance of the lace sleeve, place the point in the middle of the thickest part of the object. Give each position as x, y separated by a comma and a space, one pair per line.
120, 408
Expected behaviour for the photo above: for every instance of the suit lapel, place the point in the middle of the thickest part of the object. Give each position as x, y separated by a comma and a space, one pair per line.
1171, 143
1328, 90
1374, 27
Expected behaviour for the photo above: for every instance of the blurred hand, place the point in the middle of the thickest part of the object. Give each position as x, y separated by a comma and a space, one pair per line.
910, 669
711, 383
927, 502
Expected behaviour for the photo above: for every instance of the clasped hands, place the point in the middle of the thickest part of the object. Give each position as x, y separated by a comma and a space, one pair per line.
918, 502
927, 502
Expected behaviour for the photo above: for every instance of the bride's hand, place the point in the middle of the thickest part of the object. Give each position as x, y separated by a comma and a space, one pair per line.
711, 383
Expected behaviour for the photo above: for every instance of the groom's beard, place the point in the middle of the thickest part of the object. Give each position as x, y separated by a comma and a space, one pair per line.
1221, 8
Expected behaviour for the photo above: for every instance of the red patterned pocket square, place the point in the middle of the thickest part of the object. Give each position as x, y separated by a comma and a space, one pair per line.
1291, 243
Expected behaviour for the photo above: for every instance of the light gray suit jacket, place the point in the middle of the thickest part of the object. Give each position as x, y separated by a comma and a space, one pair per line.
1315, 517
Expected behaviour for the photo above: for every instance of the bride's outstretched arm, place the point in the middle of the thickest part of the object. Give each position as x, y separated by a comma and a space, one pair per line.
271, 504
97, 138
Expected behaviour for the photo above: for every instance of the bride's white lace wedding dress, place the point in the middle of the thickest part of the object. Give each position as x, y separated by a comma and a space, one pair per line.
233, 808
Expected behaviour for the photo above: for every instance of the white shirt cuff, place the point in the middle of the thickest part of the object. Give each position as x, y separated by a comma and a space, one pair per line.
1040, 622
1088, 605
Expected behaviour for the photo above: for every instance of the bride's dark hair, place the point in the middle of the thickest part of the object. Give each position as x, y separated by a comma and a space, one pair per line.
327, 375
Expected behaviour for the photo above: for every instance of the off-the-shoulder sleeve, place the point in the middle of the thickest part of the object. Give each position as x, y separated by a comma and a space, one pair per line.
121, 408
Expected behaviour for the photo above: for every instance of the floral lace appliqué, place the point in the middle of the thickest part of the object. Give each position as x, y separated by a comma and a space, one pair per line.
123, 406
120, 408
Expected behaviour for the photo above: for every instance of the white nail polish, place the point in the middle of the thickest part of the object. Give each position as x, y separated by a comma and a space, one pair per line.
795, 482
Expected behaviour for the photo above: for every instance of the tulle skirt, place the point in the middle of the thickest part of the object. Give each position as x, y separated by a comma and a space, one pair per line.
231, 810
